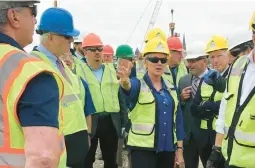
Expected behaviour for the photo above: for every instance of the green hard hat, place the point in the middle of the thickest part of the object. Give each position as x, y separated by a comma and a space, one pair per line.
124, 51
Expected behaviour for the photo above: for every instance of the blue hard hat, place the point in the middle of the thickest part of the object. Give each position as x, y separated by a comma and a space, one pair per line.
59, 21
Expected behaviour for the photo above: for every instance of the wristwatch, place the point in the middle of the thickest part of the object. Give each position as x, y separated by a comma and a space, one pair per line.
180, 147
217, 148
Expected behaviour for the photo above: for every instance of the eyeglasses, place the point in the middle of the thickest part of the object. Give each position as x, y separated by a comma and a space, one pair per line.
94, 49
194, 60
156, 60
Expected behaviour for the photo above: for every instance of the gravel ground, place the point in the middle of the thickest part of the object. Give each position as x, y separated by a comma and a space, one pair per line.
100, 164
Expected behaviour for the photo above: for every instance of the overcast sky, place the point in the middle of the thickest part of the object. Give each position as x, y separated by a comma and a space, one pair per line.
114, 20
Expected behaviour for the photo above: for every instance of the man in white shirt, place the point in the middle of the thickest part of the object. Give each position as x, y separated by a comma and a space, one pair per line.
235, 126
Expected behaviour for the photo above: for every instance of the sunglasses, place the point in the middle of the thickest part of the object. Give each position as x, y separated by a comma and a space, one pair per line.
94, 49
156, 60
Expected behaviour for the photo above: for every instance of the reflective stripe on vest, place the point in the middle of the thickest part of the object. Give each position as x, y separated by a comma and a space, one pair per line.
243, 136
238, 146
142, 132
72, 105
13, 80
104, 93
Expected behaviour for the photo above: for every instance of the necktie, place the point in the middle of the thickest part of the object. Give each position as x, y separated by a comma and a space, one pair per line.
195, 83
62, 70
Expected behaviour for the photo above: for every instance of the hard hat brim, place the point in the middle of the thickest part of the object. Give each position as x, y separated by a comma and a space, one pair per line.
74, 33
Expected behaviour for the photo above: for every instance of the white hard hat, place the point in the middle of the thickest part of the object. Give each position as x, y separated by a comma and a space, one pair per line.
32, 1
80, 38
195, 56
240, 44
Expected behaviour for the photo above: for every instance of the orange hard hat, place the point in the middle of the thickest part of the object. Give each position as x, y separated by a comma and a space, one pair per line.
108, 50
91, 40
174, 43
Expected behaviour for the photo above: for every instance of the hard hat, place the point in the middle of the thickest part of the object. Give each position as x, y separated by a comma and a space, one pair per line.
195, 56
156, 45
108, 50
216, 43
59, 21
242, 45
78, 39
174, 44
124, 51
252, 22
156, 32
92, 40
4, 4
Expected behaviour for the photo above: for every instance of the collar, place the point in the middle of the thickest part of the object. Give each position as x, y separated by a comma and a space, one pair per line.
78, 55
99, 69
203, 74
250, 56
223, 72
46, 52
151, 85
8, 40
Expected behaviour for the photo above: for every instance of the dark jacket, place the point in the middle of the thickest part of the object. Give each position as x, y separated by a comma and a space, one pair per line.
191, 123
119, 119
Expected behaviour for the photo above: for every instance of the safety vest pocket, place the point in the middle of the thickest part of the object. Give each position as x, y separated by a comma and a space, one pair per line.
142, 129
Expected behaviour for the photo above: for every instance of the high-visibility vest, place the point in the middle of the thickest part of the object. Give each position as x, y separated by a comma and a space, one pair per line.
73, 100
78, 68
207, 92
110, 65
143, 116
182, 71
238, 146
104, 94
16, 70
140, 69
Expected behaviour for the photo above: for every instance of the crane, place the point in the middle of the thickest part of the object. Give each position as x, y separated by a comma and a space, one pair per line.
55, 3
153, 18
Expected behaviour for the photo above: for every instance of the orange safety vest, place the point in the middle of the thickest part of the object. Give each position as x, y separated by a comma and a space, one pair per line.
16, 70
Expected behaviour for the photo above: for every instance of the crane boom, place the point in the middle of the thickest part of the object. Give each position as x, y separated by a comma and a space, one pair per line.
153, 17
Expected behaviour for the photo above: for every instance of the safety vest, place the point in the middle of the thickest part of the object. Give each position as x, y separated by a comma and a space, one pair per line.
16, 69
142, 132
140, 69
78, 67
111, 66
238, 145
73, 100
207, 93
104, 94
182, 71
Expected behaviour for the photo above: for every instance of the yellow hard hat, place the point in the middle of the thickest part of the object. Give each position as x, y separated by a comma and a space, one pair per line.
216, 43
156, 32
252, 22
156, 45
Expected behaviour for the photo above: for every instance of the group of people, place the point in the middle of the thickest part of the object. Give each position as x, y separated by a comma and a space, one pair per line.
59, 103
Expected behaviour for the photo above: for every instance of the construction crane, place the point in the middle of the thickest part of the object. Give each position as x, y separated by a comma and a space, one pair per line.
153, 19
55, 3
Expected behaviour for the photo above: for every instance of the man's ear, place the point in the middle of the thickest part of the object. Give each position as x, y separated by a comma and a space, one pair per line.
13, 18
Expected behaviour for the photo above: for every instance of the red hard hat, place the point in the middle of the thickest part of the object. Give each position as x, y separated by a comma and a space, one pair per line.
91, 40
108, 50
174, 43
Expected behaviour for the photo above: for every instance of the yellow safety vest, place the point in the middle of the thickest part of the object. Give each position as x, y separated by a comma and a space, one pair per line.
206, 94
140, 69
238, 145
16, 69
111, 66
73, 100
104, 94
142, 132
78, 68
182, 71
